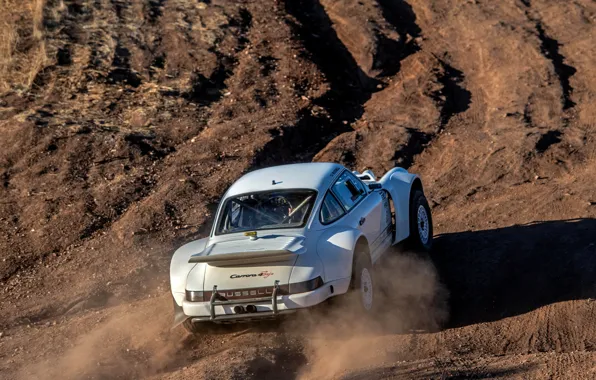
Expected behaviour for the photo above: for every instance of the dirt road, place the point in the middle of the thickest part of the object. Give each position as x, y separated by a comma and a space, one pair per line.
116, 147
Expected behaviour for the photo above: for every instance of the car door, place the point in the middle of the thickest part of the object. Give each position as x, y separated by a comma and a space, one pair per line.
364, 209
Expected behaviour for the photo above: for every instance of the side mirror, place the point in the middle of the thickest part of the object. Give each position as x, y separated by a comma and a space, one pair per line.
374, 185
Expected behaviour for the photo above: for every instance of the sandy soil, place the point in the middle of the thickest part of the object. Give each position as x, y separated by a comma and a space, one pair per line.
149, 110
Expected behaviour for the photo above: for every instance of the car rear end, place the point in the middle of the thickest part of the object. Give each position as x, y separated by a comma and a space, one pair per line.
246, 280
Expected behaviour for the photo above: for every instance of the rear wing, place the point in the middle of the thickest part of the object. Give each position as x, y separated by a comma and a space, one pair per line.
238, 258
366, 176
369, 178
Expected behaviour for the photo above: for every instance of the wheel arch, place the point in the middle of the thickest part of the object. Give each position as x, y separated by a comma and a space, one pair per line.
361, 244
416, 185
336, 249
401, 185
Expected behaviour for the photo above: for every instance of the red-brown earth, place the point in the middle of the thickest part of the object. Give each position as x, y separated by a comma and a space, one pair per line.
148, 110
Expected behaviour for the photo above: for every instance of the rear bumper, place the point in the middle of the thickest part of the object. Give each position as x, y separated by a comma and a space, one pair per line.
266, 308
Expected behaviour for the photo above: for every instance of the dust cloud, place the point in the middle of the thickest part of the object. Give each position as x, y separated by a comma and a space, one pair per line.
409, 298
136, 340
132, 341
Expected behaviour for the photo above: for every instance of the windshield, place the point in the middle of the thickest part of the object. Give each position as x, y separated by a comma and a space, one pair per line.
266, 210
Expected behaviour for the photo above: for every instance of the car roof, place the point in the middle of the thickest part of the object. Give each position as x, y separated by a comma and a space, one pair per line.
313, 175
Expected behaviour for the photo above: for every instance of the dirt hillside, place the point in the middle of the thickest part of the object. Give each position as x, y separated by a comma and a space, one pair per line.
122, 122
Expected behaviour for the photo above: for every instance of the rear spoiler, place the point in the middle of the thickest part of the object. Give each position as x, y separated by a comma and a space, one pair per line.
252, 257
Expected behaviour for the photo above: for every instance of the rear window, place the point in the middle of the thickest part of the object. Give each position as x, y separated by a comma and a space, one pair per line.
266, 210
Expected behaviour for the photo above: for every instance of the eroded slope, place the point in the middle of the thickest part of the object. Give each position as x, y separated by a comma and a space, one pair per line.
146, 111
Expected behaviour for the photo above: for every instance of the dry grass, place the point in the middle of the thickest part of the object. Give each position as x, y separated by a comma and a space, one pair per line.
22, 46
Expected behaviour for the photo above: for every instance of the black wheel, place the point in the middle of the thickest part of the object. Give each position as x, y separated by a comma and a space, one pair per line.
421, 223
390, 212
363, 284
194, 328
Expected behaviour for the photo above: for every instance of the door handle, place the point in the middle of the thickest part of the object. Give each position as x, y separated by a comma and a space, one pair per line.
362, 220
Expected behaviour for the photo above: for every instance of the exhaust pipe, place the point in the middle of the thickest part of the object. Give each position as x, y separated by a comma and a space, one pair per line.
239, 309
251, 309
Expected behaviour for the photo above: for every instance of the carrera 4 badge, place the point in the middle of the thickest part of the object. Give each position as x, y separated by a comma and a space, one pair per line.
263, 274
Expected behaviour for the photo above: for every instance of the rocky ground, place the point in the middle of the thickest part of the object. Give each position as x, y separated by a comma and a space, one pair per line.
146, 111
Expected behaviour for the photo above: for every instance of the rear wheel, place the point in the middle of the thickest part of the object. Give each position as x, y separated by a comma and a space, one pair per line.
194, 328
363, 282
421, 223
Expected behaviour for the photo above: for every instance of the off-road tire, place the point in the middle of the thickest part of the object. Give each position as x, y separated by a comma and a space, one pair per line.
421, 224
194, 328
363, 285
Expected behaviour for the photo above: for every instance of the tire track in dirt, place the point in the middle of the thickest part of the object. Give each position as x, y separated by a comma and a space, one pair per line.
410, 129
333, 112
205, 93
453, 97
120, 71
491, 127
208, 90
549, 48
196, 161
401, 16
155, 10
508, 295
146, 144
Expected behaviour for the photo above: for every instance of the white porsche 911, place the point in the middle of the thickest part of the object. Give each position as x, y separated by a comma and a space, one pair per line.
289, 237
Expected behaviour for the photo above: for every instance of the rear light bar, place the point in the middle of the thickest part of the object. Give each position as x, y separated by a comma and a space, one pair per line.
294, 288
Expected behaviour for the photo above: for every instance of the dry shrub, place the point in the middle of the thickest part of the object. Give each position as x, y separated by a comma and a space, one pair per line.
22, 46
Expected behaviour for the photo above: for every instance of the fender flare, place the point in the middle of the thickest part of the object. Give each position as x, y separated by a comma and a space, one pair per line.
400, 185
336, 248
180, 267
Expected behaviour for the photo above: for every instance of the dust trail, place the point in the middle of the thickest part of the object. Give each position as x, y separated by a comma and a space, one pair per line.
134, 341
409, 297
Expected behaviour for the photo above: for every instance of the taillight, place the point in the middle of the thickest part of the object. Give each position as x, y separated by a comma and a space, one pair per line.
306, 286
194, 296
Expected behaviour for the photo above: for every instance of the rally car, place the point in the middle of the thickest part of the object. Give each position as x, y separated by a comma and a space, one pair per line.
289, 237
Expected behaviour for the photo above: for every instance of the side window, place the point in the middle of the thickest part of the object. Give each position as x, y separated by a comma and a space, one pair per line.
349, 190
331, 209
358, 184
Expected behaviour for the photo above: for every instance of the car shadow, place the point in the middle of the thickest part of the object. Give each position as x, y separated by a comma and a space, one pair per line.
494, 274
436, 370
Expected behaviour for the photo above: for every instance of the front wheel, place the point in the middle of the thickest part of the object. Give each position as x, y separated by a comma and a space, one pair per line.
421, 223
